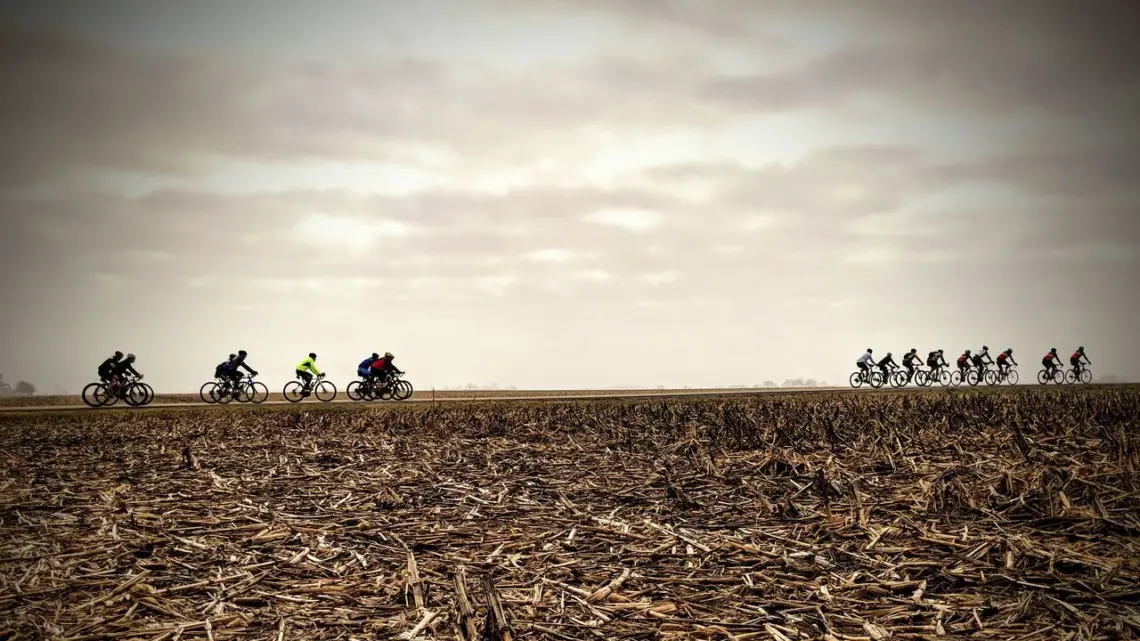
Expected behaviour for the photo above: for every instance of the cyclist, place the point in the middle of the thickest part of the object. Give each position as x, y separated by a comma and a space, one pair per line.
382, 368
108, 366
364, 369
306, 366
125, 366
888, 361
231, 371
1075, 361
1003, 361
935, 360
908, 362
964, 363
1052, 362
981, 359
220, 371
863, 361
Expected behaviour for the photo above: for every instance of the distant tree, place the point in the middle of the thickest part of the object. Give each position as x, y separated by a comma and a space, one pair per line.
810, 382
794, 382
25, 388
471, 386
769, 384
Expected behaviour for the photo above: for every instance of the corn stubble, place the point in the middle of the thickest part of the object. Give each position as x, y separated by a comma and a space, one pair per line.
986, 515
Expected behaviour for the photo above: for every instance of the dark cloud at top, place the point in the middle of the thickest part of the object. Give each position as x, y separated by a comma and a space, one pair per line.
1031, 237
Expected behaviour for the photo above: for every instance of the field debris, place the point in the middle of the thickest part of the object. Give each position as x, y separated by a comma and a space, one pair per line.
821, 516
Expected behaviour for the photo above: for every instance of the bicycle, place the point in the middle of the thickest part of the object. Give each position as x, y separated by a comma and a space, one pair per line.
295, 391
872, 377
999, 376
1084, 377
133, 392
898, 377
960, 375
1058, 376
927, 377
973, 376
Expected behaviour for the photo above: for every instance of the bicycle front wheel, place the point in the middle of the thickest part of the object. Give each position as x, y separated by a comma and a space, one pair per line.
326, 391
1011, 376
991, 377
258, 393
1086, 376
403, 391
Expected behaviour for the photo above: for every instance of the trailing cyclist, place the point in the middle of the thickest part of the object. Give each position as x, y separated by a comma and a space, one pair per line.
305, 367
964, 364
981, 359
230, 369
364, 369
1052, 363
1076, 359
1003, 361
935, 360
108, 366
864, 363
222, 369
908, 362
886, 365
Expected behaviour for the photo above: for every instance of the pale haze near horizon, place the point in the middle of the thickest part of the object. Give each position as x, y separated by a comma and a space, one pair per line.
564, 194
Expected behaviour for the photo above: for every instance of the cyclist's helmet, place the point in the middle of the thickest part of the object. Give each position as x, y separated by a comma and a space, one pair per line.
985, 348
967, 352
888, 354
118, 354
312, 354
1053, 350
1009, 350
241, 352
939, 351
388, 355
232, 356
1081, 349
375, 356
869, 350
914, 350
130, 357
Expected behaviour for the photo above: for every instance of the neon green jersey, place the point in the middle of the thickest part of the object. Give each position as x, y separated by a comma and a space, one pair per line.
310, 365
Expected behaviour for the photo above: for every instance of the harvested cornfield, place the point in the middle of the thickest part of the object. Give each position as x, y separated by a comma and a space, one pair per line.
827, 516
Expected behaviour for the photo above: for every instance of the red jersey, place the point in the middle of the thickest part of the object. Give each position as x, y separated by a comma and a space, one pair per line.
1003, 357
962, 359
1050, 356
379, 364
1076, 356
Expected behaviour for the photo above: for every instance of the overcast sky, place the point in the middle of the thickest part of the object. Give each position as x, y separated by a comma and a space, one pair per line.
565, 194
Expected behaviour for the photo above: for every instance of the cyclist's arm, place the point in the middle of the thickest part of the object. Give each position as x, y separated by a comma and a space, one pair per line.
246, 366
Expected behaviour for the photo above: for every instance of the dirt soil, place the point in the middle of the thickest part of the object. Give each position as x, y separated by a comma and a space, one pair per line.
825, 516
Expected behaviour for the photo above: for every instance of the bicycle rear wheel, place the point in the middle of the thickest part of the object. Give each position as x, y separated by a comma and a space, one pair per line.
991, 377
325, 391
91, 394
206, 392
856, 380
293, 391
352, 390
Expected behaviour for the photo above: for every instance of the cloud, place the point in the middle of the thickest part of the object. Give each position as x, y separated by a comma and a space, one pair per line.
628, 219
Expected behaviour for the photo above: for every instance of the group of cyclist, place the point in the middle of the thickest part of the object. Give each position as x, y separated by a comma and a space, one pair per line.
936, 360
374, 368
112, 370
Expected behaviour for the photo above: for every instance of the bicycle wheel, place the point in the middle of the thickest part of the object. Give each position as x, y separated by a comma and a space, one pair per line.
149, 393
1011, 376
898, 379
1086, 376
135, 395
991, 377
972, 377
206, 393
352, 390
921, 378
259, 393
878, 379
91, 395
956, 378
1070, 376
293, 391
106, 397
856, 380
326, 391
403, 390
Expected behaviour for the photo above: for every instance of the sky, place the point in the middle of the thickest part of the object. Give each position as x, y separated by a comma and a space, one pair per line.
564, 194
